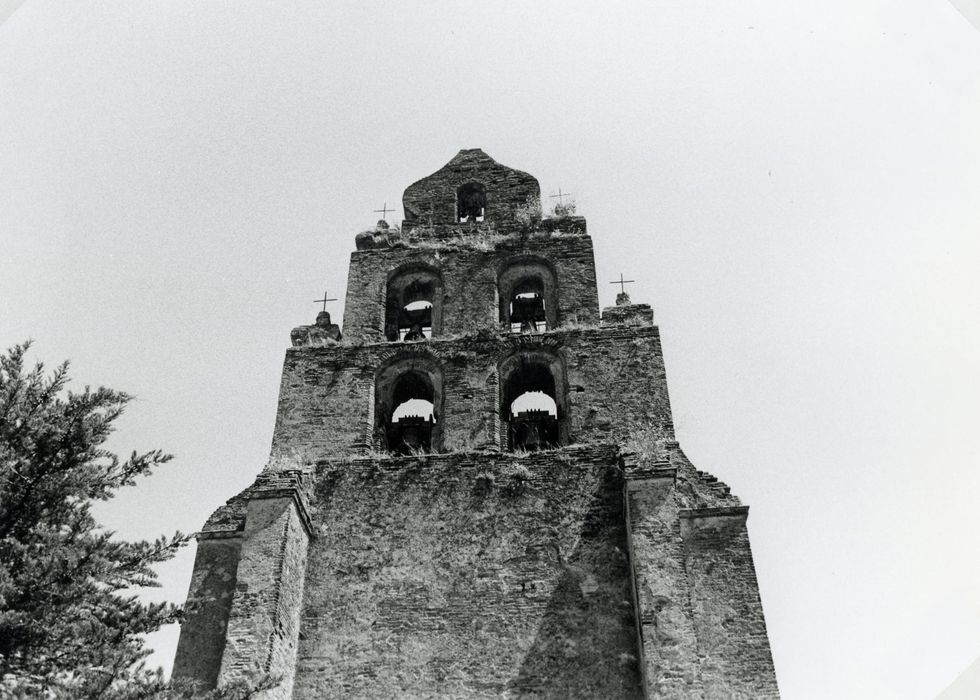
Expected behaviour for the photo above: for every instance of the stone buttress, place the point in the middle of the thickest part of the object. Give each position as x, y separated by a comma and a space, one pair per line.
475, 489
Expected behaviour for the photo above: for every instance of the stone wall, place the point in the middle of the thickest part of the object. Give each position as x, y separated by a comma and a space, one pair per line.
628, 314
615, 385
263, 623
702, 632
734, 653
472, 575
584, 571
469, 271
242, 618
432, 200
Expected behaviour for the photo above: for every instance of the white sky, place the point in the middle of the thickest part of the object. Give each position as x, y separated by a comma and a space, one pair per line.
794, 186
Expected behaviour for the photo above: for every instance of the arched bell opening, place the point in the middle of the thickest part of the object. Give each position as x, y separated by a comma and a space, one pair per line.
528, 296
413, 308
533, 402
471, 202
533, 422
408, 396
410, 427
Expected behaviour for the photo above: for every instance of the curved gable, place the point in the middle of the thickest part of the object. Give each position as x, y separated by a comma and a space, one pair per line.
435, 199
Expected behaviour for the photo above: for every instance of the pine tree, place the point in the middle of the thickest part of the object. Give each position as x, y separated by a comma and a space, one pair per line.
70, 624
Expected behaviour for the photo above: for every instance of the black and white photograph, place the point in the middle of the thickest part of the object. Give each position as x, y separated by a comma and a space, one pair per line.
446, 350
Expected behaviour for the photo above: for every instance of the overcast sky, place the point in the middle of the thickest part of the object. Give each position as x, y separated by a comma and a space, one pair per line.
793, 185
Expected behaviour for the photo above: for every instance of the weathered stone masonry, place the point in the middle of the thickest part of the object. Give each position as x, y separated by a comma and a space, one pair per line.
479, 547
603, 368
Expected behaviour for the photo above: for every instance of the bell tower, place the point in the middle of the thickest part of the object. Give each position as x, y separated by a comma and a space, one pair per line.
474, 488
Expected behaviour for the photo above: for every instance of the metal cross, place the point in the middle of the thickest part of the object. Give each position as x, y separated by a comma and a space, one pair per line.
622, 283
384, 211
324, 300
560, 195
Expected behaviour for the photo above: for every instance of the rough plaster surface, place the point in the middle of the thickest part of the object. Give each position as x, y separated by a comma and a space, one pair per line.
473, 575
202, 640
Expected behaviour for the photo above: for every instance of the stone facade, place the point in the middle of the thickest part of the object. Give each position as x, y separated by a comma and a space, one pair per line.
509, 195
560, 548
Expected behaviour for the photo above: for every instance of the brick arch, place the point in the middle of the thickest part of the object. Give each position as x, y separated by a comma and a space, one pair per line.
528, 273
409, 282
533, 369
397, 379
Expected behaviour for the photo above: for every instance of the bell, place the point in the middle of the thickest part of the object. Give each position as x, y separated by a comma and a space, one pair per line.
411, 439
529, 436
415, 333
533, 440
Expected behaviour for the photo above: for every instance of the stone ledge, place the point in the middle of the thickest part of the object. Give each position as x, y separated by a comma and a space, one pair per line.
394, 463
551, 338
229, 520
628, 315
721, 512
718, 519
477, 236
283, 484
217, 534
639, 477
297, 498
